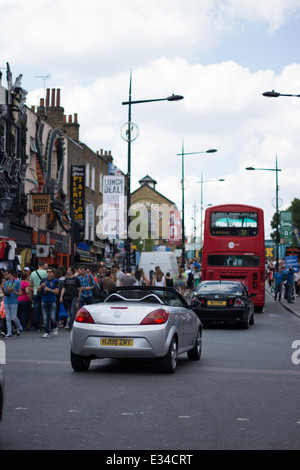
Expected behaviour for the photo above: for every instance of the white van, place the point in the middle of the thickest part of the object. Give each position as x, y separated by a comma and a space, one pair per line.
164, 259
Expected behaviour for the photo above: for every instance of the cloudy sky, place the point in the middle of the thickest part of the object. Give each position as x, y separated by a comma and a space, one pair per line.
221, 55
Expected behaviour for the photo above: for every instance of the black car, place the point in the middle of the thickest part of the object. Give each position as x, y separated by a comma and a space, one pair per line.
223, 301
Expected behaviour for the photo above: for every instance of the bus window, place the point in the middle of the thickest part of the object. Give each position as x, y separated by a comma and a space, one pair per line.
234, 224
233, 260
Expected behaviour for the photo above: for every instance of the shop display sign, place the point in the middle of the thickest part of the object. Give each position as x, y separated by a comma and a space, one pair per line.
40, 204
78, 190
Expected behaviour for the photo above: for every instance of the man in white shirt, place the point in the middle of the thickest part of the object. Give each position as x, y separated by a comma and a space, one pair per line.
35, 280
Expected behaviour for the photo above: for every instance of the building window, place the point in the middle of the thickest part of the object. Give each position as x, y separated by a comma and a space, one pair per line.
101, 183
89, 221
87, 175
92, 178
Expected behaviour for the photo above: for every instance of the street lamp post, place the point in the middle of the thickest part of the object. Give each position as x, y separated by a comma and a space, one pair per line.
276, 169
129, 129
182, 154
201, 212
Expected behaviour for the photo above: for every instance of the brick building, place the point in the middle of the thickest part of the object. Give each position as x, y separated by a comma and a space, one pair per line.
161, 217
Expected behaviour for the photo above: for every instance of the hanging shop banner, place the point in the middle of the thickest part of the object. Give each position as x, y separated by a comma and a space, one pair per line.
78, 191
40, 204
286, 230
113, 205
175, 228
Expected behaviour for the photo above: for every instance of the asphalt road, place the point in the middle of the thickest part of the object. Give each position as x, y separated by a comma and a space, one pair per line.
243, 394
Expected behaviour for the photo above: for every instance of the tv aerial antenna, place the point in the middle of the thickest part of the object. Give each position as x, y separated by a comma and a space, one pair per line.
44, 78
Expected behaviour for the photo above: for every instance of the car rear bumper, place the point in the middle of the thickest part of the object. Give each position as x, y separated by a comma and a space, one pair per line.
214, 315
86, 341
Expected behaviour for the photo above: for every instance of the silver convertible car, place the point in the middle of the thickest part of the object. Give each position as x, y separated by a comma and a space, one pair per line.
136, 322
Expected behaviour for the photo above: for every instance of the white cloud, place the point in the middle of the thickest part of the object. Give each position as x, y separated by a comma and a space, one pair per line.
89, 48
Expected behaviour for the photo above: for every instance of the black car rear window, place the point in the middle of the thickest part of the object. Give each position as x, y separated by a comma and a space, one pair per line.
218, 288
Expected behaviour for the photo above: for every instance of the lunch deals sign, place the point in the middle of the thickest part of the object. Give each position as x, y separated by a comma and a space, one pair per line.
113, 206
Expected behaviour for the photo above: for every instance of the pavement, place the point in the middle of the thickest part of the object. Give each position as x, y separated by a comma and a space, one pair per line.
293, 307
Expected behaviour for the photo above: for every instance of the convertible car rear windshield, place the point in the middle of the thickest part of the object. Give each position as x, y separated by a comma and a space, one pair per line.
154, 295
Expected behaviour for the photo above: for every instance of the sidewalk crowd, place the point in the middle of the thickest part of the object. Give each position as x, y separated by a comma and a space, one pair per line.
284, 284
45, 298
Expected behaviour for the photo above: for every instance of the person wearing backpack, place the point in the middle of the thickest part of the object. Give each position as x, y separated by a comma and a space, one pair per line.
189, 282
35, 280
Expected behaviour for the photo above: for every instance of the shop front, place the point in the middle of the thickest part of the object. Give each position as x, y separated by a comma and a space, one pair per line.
53, 248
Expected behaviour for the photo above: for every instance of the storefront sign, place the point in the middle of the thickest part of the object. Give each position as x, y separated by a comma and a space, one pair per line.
113, 205
175, 228
286, 228
78, 191
40, 204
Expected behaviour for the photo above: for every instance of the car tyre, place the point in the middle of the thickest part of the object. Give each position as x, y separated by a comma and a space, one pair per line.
246, 324
195, 353
168, 363
80, 363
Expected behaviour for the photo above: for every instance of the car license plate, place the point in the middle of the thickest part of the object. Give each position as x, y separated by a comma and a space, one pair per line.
217, 303
116, 342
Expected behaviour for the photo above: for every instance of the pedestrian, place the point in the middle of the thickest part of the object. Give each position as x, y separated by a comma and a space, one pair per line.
35, 279
12, 290
107, 281
49, 289
289, 284
118, 272
87, 285
190, 284
278, 278
25, 300
297, 283
138, 276
169, 280
180, 281
128, 279
158, 278
145, 280
70, 295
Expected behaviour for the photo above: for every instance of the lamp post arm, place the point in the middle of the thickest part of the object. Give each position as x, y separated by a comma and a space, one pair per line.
169, 98
275, 94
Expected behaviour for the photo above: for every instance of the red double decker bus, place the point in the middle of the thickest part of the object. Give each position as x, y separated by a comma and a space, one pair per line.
234, 247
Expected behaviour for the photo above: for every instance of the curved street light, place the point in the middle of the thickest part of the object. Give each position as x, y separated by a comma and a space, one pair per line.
129, 129
275, 94
276, 169
201, 182
182, 154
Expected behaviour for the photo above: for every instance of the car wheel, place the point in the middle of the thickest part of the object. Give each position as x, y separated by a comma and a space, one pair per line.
252, 320
195, 353
168, 363
246, 324
80, 363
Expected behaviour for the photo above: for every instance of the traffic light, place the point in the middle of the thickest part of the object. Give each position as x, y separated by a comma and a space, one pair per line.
78, 232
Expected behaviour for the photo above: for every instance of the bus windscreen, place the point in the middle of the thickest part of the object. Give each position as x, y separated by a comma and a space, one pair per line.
234, 224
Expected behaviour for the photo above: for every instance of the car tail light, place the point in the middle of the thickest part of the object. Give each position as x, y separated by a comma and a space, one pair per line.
83, 316
238, 303
157, 317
